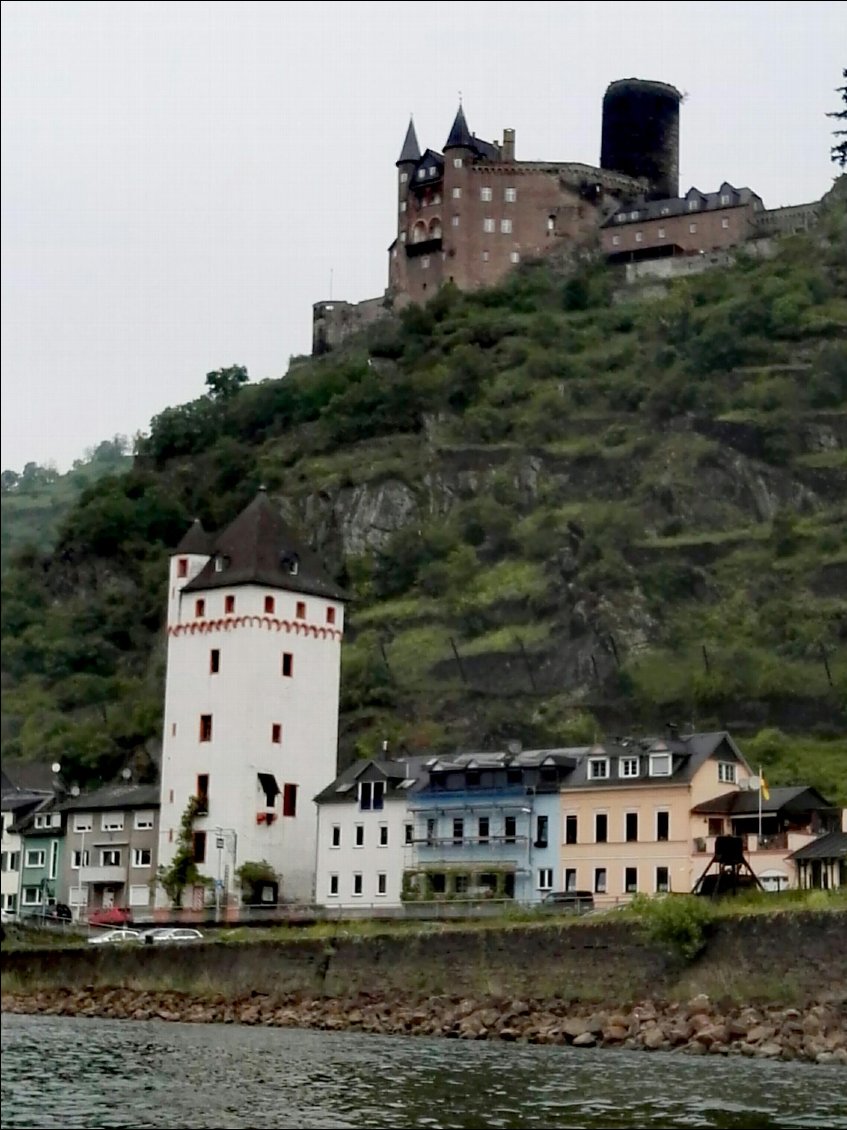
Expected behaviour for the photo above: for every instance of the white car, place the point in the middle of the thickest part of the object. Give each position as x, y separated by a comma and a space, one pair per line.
169, 934
111, 936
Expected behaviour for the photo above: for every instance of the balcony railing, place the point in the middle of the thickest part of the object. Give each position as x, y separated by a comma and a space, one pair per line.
752, 842
470, 841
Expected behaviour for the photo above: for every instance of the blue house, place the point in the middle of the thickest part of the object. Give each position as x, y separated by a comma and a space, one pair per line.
486, 826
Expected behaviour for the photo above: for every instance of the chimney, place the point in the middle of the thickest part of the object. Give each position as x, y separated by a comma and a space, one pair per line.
507, 150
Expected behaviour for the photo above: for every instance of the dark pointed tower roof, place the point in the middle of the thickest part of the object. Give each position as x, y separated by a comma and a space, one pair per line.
411, 151
460, 136
195, 540
259, 548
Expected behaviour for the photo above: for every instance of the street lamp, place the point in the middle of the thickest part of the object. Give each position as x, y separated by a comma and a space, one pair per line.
221, 835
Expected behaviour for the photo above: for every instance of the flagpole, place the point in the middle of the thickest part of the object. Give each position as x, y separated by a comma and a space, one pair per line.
760, 806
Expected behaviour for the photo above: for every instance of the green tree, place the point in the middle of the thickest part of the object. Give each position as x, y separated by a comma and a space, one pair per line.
223, 384
183, 871
839, 150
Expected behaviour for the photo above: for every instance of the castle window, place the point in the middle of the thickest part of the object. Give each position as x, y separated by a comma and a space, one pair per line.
488, 225
421, 174
510, 195
276, 733
425, 263
202, 794
485, 256
616, 240
432, 170
515, 257
205, 727
270, 605
287, 664
692, 228
619, 219
665, 212
455, 221
505, 226
724, 222
457, 162
229, 604
436, 199
724, 199
639, 237
330, 615
551, 223
394, 253
199, 607
182, 567
402, 205
485, 194
214, 661
404, 177
402, 237
457, 194
693, 205
634, 215
300, 613
661, 233
289, 800
199, 847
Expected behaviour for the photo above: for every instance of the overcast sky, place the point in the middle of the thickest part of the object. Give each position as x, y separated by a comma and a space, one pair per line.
181, 181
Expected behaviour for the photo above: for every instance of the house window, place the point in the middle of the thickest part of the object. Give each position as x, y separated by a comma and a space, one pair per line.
599, 880
485, 194
83, 822
371, 794
409, 833
693, 205
359, 840
510, 195
289, 800
112, 822
488, 225
515, 257
715, 826
724, 199
483, 829
630, 880
198, 841
357, 883
505, 226
287, 665
34, 858
381, 883
142, 857
219, 564
570, 878
455, 221
545, 878
639, 237
12, 902
485, 256
199, 607
202, 794
32, 896
616, 239
662, 879
726, 772
144, 821
182, 567
634, 215
432, 170
425, 263
601, 828
631, 824
80, 859
383, 835
457, 194
330, 615
663, 825
333, 884
628, 766
598, 768
421, 174
270, 605
110, 857
724, 222
510, 828
205, 727
229, 604
300, 613
661, 233
458, 830
570, 829
660, 765
542, 831
276, 733
430, 831
692, 228
335, 836
139, 895
214, 661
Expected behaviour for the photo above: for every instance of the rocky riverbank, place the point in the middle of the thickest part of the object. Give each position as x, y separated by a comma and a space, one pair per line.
817, 1033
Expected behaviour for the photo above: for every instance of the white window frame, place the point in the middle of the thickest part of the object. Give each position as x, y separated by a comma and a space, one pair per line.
662, 233
625, 766
136, 857
457, 162
485, 256
335, 837
510, 195
656, 887
693, 205
144, 820
616, 240
515, 256
359, 836
656, 760
402, 205
112, 822
358, 880
457, 193
421, 174
505, 227
725, 199
486, 194
626, 890
639, 237
660, 812
404, 177
727, 772
382, 837
332, 886
601, 812
598, 871
488, 224
139, 894
725, 222
454, 220
619, 219
80, 858
545, 878
38, 898
35, 857
408, 833
571, 873
594, 764
382, 883
692, 229
110, 851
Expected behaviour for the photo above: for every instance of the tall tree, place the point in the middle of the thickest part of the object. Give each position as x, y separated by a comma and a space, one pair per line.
225, 383
839, 151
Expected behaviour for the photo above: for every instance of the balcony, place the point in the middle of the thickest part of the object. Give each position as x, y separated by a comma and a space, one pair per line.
423, 247
782, 842
113, 875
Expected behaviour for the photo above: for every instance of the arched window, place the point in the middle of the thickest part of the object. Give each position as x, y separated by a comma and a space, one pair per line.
435, 228
419, 232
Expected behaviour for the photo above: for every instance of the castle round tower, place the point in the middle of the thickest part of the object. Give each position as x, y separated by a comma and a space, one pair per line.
251, 699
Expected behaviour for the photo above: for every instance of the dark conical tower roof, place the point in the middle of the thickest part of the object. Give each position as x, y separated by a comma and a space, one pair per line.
195, 540
259, 548
411, 151
460, 136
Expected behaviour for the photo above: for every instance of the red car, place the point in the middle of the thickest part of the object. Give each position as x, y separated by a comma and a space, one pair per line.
110, 916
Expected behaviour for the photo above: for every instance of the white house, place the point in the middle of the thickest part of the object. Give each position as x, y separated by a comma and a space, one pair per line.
251, 699
364, 827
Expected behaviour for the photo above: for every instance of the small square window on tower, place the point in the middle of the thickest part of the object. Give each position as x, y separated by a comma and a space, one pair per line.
287, 664
229, 604
301, 610
270, 605
182, 567
276, 733
214, 661
330, 615
199, 607
205, 727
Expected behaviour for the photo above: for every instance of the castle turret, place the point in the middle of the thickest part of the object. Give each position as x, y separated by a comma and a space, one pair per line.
410, 154
411, 151
460, 136
641, 134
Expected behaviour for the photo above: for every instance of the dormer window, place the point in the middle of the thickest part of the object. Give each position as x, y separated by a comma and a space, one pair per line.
621, 216
628, 766
371, 795
598, 768
726, 772
693, 205
665, 212
221, 563
289, 563
724, 198
421, 174
432, 170
660, 765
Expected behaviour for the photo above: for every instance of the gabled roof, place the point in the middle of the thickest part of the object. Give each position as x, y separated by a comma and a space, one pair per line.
411, 151
33, 776
402, 776
687, 753
798, 798
259, 548
114, 796
460, 136
831, 846
727, 196
195, 540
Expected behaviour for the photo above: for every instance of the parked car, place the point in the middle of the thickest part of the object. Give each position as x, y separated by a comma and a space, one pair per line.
171, 934
115, 937
575, 901
8, 915
110, 916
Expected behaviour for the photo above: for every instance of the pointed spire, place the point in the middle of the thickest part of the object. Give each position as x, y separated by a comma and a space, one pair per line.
195, 540
460, 135
411, 150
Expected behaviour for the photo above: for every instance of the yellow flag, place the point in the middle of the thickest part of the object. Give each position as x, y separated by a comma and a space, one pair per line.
765, 791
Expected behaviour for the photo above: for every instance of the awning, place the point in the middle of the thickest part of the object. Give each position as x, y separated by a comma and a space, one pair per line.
269, 787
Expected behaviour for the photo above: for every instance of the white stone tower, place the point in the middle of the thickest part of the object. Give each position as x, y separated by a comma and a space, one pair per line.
251, 698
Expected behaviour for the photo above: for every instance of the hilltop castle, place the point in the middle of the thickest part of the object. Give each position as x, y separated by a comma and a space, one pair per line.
470, 212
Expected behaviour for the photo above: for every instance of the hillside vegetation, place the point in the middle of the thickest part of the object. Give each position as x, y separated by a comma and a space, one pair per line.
561, 509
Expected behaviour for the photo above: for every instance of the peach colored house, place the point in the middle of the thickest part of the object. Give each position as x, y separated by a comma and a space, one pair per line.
627, 820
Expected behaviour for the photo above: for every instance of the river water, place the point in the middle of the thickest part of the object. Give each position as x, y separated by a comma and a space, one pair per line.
104, 1074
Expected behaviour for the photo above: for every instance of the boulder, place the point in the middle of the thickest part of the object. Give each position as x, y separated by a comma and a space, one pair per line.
585, 1040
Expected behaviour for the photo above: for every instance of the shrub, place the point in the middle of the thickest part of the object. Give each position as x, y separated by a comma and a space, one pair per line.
677, 922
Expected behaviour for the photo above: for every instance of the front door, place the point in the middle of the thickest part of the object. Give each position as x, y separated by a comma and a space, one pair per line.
108, 898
